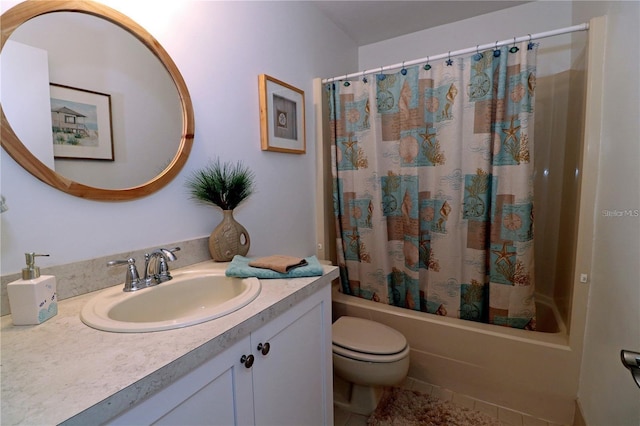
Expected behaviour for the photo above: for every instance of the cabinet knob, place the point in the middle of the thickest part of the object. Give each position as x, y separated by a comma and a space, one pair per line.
264, 348
247, 360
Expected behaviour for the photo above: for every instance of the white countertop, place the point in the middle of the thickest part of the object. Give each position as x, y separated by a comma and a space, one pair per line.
64, 371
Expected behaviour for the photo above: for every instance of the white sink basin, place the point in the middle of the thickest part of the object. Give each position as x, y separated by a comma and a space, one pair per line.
190, 298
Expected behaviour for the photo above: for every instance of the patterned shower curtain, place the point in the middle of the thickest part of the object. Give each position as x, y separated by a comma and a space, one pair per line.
433, 186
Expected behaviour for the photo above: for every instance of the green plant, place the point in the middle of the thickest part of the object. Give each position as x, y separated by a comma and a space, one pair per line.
225, 185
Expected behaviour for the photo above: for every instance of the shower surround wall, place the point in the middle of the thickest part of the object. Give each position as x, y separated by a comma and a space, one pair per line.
559, 135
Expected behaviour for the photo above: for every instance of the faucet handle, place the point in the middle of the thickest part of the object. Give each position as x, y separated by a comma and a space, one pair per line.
163, 267
170, 253
132, 278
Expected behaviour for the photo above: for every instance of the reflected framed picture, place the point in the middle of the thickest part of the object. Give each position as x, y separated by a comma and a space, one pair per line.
282, 120
81, 124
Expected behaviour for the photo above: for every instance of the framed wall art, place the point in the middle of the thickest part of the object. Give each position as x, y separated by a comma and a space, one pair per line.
282, 120
81, 124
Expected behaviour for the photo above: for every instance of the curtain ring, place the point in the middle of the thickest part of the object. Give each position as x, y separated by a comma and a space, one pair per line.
381, 76
478, 55
531, 44
403, 71
496, 51
449, 61
364, 77
346, 83
427, 67
514, 48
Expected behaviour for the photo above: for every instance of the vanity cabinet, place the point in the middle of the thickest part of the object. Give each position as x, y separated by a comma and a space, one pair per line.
281, 374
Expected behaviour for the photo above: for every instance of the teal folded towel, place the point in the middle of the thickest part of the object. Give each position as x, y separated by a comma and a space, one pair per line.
239, 267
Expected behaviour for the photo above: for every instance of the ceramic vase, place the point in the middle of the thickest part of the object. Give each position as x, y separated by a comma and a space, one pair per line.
228, 239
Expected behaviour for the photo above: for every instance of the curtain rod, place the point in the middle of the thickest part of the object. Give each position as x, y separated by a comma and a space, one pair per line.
528, 37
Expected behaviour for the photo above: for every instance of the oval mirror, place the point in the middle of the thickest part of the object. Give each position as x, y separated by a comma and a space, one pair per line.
119, 129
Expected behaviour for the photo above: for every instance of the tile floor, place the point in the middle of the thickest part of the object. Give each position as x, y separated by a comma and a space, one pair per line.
507, 417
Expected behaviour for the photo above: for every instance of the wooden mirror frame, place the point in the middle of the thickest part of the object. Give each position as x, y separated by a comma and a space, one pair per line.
27, 10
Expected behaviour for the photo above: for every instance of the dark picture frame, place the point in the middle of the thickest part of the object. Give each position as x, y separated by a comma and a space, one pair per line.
81, 124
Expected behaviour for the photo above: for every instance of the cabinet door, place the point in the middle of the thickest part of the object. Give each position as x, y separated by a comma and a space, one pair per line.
216, 393
292, 383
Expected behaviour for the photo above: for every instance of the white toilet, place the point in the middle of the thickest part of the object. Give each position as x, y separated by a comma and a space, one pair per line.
367, 356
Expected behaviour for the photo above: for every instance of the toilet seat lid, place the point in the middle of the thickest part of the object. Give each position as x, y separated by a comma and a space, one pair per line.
365, 336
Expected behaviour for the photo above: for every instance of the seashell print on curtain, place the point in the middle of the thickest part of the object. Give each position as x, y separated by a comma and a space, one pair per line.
433, 187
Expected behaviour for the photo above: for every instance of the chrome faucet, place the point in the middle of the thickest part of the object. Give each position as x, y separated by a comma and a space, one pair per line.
156, 265
156, 269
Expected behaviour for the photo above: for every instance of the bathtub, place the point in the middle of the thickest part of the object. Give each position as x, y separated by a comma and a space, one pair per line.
533, 372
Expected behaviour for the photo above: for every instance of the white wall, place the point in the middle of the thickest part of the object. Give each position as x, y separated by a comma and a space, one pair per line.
607, 394
505, 24
25, 97
220, 49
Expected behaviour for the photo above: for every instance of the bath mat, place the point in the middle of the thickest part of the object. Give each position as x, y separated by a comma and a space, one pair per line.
404, 407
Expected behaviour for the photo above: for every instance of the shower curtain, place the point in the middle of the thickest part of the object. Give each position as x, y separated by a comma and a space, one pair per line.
433, 186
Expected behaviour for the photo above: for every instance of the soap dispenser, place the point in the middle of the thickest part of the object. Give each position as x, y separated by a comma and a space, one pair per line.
32, 299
